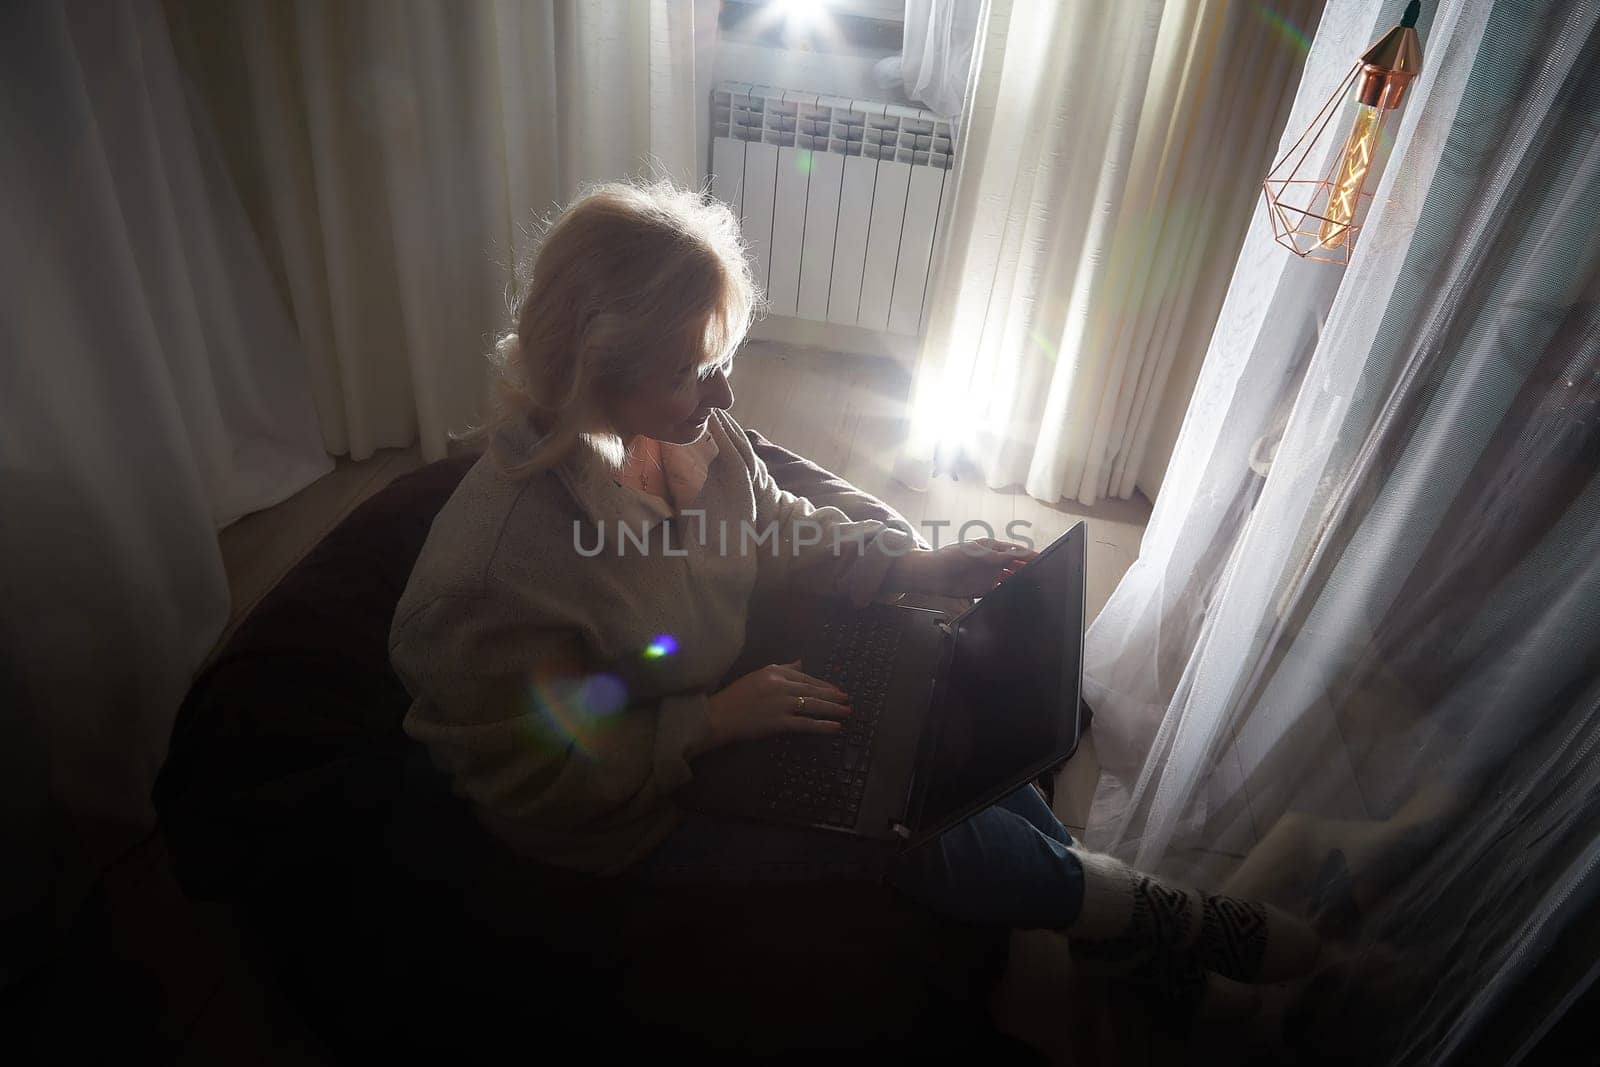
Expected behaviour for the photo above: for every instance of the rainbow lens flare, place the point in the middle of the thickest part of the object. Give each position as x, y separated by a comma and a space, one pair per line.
574, 711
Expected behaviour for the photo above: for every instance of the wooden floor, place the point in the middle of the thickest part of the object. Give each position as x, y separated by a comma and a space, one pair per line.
259, 549
847, 413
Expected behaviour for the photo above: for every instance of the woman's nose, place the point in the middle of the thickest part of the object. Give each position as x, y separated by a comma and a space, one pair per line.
717, 393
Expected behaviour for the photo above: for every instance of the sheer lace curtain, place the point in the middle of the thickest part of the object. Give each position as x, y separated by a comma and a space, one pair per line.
936, 53
396, 156
1107, 171
1356, 668
151, 389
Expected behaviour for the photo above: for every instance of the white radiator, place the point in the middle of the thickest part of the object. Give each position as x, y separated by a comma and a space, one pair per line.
840, 200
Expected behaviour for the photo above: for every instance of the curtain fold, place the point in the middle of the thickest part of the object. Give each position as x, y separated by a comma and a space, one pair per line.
1092, 211
151, 390
936, 54
397, 156
1355, 667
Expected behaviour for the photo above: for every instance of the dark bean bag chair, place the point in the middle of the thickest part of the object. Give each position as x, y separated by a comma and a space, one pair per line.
371, 896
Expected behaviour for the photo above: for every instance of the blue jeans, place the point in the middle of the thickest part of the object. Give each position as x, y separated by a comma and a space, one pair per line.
1009, 865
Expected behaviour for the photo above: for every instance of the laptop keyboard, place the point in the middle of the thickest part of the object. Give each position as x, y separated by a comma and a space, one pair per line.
821, 780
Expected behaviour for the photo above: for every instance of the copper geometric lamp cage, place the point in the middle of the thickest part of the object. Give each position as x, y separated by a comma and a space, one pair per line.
1318, 214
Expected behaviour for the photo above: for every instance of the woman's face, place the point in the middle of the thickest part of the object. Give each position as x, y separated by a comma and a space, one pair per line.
675, 402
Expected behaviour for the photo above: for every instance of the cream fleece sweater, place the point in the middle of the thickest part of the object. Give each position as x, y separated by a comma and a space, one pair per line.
561, 686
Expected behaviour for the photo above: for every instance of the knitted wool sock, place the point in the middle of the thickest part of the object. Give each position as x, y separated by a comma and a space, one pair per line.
1127, 916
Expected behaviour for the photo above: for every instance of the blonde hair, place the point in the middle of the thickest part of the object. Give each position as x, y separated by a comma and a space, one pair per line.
624, 272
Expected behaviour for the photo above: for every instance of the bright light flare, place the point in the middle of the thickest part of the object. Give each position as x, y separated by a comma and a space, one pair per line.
801, 14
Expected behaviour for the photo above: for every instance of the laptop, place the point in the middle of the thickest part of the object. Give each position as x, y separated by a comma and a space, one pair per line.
951, 713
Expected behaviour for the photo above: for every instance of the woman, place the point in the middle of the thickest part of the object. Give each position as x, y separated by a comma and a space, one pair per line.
589, 581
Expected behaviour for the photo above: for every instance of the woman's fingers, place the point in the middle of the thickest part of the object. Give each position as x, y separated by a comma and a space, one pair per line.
806, 685
817, 689
800, 724
822, 694
1015, 553
819, 708
1005, 548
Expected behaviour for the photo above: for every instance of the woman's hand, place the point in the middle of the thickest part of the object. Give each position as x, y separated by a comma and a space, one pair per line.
769, 701
967, 568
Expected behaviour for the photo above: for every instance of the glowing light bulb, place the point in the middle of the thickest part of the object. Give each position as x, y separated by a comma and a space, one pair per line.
1353, 167
1379, 78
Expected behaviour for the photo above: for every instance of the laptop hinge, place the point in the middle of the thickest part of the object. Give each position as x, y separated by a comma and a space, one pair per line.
927, 742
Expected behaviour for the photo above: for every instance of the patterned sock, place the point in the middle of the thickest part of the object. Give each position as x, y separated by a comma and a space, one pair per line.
1127, 928
1123, 906
1255, 942
1127, 915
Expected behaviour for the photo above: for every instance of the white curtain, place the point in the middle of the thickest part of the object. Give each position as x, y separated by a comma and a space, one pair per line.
151, 390
1109, 167
1356, 668
396, 157
936, 53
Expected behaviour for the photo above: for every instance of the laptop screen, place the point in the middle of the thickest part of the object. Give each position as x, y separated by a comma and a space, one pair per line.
1010, 704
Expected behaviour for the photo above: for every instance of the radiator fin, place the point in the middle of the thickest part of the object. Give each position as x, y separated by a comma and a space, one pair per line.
839, 199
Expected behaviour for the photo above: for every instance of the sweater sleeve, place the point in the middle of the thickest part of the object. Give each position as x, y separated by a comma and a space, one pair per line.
821, 547
536, 737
